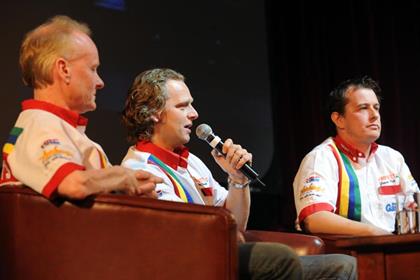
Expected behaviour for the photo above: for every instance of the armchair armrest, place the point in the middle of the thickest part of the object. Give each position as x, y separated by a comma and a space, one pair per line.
301, 243
113, 237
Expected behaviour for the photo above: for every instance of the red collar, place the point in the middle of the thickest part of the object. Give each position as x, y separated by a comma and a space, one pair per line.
71, 117
352, 152
174, 159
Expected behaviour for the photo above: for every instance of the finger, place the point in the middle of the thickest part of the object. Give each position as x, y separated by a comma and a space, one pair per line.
227, 145
145, 188
142, 175
234, 151
131, 191
156, 180
236, 158
152, 194
247, 158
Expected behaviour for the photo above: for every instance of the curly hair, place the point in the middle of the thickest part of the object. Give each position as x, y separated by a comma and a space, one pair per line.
42, 46
337, 98
146, 97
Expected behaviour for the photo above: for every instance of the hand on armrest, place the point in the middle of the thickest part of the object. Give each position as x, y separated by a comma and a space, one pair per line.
80, 184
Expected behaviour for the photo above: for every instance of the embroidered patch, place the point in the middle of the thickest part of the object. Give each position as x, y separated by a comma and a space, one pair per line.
391, 179
312, 179
53, 154
391, 207
50, 142
202, 182
311, 190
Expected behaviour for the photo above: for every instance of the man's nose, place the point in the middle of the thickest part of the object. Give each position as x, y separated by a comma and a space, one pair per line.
193, 115
100, 84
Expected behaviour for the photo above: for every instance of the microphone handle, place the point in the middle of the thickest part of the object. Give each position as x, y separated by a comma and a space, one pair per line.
247, 170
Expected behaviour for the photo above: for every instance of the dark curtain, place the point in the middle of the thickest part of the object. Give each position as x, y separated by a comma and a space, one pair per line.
314, 45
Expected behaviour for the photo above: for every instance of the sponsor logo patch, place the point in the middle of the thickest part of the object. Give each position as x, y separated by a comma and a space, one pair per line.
391, 207
50, 142
391, 179
311, 191
49, 156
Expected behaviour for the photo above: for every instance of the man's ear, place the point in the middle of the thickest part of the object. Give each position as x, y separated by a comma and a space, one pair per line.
155, 118
63, 70
337, 119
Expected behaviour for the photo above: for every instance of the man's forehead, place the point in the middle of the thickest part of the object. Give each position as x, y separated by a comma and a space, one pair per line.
178, 90
361, 95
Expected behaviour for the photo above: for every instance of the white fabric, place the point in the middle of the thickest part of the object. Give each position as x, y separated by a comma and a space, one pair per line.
138, 160
46, 144
316, 183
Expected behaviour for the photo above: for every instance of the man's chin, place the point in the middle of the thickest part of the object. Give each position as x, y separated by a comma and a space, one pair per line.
90, 108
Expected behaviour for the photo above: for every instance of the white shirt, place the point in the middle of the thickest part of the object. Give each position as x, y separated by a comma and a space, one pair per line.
381, 176
48, 143
189, 169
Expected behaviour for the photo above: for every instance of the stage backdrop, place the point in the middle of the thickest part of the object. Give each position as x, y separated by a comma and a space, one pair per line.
313, 46
220, 46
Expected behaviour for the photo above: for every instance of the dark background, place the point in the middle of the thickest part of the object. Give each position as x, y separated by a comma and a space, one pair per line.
259, 72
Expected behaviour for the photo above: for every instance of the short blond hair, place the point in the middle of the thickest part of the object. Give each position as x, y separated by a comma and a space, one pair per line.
43, 45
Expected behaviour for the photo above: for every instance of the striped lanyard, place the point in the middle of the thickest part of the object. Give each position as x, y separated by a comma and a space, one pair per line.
179, 188
348, 199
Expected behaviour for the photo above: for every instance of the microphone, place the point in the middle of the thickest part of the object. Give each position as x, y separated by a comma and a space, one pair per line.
204, 132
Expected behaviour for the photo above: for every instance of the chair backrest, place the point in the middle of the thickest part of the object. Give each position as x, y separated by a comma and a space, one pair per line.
113, 237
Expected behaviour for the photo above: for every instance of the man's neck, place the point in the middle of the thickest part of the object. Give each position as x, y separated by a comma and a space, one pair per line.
360, 146
162, 144
50, 94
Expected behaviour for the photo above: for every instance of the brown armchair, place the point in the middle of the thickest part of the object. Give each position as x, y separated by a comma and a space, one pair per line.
120, 237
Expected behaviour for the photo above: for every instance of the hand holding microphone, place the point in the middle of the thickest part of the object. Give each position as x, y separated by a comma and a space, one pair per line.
237, 158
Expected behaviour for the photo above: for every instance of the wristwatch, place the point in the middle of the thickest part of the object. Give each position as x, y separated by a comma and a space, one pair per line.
237, 185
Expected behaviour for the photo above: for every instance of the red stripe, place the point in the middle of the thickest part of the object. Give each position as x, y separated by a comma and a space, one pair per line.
313, 208
390, 189
338, 158
207, 191
58, 177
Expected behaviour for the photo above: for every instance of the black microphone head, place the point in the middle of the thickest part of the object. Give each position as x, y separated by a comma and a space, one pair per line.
203, 131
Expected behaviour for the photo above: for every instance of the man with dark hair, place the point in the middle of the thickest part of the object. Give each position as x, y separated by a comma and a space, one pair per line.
159, 115
48, 149
349, 184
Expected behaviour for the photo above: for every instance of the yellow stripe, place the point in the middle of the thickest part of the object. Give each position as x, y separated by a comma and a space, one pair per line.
104, 163
345, 186
181, 192
8, 148
345, 189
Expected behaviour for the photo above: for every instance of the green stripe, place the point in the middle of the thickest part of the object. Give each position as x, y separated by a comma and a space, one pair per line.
354, 191
16, 131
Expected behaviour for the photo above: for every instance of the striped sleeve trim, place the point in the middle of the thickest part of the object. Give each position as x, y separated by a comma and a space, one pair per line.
58, 177
313, 208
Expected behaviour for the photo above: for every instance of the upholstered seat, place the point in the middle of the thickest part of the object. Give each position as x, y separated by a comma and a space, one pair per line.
120, 237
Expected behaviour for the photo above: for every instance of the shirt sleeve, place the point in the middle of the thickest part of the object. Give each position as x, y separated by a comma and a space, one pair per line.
408, 183
44, 155
315, 184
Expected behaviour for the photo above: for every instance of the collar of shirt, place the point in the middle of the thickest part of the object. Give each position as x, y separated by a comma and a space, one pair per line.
73, 118
175, 159
352, 152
